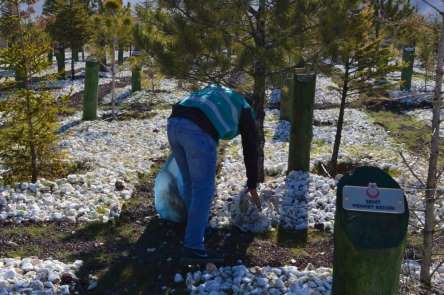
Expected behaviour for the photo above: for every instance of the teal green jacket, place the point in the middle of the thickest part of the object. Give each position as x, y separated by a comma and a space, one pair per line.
222, 106
223, 114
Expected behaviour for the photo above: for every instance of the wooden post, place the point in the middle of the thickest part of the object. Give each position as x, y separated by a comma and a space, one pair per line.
91, 89
120, 56
75, 54
50, 56
408, 57
368, 245
301, 122
136, 77
60, 56
136, 74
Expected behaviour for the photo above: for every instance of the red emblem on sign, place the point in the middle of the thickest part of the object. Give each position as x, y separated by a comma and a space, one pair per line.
373, 191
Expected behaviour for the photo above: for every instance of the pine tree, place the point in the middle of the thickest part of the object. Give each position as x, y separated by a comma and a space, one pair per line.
349, 38
427, 43
28, 145
70, 26
212, 41
113, 25
390, 14
124, 33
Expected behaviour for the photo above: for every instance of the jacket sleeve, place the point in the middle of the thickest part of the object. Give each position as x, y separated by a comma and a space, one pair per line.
247, 129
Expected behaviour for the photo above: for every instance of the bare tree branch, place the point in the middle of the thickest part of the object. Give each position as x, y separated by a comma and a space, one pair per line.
417, 217
432, 6
436, 268
404, 160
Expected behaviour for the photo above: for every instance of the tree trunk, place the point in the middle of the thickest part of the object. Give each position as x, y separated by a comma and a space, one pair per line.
426, 76
60, 56
83, 54
432, 175
73, 73
120, 56
32, 151
113, 78
334, 157
259, 102
259, 89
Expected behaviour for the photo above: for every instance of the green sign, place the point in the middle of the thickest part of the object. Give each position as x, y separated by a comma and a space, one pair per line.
369, 242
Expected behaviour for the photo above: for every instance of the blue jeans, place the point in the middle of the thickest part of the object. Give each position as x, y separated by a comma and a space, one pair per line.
195, 153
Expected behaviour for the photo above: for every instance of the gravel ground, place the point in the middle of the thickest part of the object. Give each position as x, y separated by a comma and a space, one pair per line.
34, 276
119, 151
425, 115
241, 279
116, 152
260, 280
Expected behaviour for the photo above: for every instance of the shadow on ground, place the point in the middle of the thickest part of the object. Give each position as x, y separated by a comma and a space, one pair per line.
148, 266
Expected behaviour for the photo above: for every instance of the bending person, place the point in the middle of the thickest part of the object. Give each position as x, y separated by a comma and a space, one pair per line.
196, 125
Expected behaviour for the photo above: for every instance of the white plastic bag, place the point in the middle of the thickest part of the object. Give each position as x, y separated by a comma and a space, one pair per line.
168, 192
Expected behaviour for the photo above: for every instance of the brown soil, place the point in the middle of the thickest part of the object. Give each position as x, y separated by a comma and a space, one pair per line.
342, 168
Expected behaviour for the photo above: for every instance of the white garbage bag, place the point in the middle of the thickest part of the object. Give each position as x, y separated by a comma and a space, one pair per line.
168, 192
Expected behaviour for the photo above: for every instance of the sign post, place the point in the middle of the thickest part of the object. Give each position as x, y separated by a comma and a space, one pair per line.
91, 89
408, 57
370, 232
136, 73
301, 133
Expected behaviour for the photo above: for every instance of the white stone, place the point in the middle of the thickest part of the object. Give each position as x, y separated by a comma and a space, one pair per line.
37, 285
9, 274
44, 276
178, 278
64, 290
27, 267
53, 277
67, 188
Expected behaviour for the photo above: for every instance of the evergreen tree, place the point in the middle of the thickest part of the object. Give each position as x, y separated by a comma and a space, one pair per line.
124, 31
50, 5
212, 41
112, 26
427, 43
70, 26
28, 145
348, 37
390, 14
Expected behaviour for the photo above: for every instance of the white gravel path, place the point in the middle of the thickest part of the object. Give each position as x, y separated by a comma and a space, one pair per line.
117, 151
290, 280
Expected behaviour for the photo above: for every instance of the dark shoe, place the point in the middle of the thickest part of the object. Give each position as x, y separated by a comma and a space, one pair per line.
194, 256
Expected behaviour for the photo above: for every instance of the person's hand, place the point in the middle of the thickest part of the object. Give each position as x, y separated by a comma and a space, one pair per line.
254, 197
